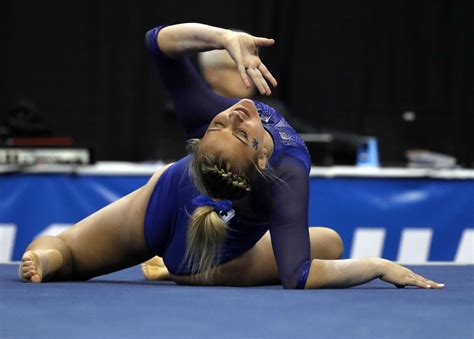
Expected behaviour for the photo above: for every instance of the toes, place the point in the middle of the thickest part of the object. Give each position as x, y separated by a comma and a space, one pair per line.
36, 278
28, 274
26, 264
28, 270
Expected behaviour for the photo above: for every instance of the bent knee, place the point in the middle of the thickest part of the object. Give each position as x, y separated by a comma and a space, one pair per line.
326, 243
338, 245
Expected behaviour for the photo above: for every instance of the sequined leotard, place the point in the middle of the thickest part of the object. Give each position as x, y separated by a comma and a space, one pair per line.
282, 205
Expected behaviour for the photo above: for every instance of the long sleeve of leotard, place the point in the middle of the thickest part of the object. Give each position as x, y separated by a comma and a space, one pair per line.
289, 222
195, 103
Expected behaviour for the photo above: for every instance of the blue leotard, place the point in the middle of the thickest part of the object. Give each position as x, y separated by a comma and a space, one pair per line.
280, 206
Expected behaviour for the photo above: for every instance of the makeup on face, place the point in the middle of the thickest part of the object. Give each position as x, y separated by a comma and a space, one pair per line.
255, 143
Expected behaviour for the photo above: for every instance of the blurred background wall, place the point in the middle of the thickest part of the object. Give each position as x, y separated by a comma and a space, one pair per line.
345, 65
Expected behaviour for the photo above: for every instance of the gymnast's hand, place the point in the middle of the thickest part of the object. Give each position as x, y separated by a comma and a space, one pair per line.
243, 48
401, 276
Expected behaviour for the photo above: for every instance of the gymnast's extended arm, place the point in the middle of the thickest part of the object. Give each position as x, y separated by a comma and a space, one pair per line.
352, 272
289, 233
195, 103
184, 38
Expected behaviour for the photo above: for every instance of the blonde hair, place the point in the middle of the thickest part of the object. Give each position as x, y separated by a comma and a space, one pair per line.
214, 58
206, 233
214, 176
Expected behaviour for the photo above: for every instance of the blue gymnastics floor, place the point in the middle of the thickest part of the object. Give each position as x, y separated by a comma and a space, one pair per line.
124, 305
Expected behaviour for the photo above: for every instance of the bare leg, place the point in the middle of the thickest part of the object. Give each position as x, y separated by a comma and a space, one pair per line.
108, 240
257, 266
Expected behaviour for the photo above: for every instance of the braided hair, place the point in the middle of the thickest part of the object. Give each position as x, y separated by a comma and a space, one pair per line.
214, 176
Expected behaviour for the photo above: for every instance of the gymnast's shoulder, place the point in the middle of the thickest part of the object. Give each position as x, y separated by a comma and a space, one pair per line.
174, 168
156, 176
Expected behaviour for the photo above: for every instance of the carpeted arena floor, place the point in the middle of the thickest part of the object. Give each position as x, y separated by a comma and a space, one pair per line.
124, 305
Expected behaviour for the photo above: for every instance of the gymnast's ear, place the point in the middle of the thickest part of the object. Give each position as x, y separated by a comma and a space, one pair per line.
262, 158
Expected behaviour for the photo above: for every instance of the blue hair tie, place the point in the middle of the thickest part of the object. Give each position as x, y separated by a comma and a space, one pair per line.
223, 207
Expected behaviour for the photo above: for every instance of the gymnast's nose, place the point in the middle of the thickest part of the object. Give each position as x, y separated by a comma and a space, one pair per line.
235, 118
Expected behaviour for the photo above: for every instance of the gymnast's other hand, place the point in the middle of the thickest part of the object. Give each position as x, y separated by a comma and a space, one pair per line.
401, 276
243, 48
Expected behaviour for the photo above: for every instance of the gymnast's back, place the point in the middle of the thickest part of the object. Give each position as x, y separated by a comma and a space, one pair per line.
279, 205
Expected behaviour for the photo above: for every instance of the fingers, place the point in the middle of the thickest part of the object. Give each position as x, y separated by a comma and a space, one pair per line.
401, 276
243, 75
249, 65
435, 284
430, 283
268, 91
259, 81
266, 73
253, 74
419, 281
258, 76
264, 42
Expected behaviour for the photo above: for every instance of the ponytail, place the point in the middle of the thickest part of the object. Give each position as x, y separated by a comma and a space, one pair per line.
214, 176
206, 233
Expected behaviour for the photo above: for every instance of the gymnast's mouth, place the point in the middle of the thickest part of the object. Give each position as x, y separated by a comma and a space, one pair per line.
240, 115
242, 110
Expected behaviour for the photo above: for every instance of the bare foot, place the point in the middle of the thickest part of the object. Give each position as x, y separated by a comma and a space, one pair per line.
36, 265
155, 269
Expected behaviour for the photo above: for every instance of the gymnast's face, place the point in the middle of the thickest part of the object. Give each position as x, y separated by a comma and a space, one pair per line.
238, 134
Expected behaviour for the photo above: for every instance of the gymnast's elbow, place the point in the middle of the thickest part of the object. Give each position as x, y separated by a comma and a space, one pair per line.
297, 278
289, 285
311, 276
293, 282
295, 285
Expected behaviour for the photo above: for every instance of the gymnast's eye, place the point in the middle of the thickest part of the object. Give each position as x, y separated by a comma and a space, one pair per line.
243, 133
218, 124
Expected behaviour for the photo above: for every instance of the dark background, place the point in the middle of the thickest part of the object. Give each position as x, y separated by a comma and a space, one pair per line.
347, 65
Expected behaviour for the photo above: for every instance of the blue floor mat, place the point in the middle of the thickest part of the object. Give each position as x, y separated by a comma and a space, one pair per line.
124, 305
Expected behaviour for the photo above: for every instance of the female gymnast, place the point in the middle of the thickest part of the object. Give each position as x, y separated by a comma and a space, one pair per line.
234, 212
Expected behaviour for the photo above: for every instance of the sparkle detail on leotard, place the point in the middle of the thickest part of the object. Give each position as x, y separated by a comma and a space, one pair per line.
281, 131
